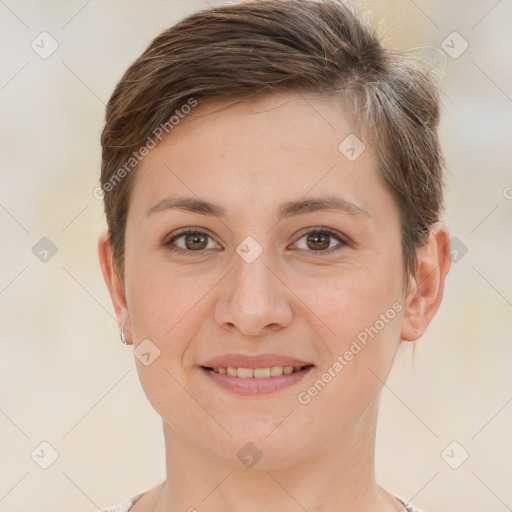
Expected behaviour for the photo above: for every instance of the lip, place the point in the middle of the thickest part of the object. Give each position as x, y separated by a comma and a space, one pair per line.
258, 361
255, 386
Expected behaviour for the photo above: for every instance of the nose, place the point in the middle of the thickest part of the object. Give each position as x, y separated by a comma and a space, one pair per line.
253, 299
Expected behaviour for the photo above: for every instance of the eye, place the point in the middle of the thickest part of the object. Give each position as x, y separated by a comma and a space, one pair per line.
319, 240
194, 242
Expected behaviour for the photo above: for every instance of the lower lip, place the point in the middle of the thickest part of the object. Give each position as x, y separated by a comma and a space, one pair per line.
254, 385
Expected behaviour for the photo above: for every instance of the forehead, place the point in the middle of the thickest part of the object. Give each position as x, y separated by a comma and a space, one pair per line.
303, 130
309, 122
258, 152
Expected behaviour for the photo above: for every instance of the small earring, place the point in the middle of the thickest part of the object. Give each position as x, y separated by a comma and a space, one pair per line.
123, 339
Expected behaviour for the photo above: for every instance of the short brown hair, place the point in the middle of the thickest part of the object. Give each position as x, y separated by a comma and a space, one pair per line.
266, 46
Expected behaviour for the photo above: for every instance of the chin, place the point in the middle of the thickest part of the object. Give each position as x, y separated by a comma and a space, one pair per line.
259, 447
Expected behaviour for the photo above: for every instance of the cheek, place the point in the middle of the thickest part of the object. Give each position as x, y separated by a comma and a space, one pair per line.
148, 300
169, 305
165, 307
360, 320
362, 355
350, 300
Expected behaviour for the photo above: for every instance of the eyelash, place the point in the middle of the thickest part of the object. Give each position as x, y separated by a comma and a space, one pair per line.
302, 233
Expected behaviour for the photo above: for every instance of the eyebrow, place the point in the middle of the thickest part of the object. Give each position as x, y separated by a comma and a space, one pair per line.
286, 210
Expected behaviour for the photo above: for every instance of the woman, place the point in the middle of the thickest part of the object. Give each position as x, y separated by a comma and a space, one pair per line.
272, 180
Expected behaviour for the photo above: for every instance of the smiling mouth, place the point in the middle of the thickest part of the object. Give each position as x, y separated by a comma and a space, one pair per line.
257, 373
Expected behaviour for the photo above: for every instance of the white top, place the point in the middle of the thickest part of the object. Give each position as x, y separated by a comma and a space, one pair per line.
125, 506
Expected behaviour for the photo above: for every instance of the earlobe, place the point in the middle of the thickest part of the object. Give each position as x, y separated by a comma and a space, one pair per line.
426, 288
114, 284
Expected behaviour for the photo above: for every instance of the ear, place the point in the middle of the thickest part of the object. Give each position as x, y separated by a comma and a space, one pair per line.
425, 289
114, 285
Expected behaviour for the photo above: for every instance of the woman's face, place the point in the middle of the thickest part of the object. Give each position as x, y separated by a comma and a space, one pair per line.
264, 279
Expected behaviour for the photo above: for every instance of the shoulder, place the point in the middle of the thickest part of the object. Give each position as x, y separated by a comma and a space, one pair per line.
125, 505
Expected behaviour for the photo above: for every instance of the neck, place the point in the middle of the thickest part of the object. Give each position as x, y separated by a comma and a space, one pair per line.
339, 476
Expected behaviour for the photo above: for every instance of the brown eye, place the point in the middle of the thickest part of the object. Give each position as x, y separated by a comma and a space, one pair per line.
195, 241
319, 241
191, 241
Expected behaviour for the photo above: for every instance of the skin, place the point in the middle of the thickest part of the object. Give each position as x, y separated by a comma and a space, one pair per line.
250, 158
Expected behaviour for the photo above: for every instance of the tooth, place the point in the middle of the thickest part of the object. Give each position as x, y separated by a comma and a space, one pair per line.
276, 371
261, 372
245, 372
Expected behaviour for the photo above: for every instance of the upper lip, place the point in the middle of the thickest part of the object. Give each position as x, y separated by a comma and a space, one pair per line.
258, 361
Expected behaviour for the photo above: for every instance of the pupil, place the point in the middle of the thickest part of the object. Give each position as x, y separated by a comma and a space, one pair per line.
317, 239
196, 239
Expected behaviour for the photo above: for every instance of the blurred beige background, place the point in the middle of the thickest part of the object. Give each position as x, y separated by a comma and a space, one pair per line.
67, 380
